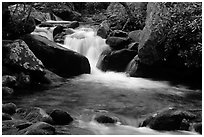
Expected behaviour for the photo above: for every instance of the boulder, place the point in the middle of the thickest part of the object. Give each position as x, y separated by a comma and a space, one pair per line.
117, 43
62, 61
17, 55
115, 60
106, 119
61, 117
8, 81
168, 119
6, 91
9, 108
39, 128
135, 35
34, 114
6, 116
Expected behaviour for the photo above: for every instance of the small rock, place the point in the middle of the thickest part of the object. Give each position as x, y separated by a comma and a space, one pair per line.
40, 128
9, 108
6, 91
117, 43
8, 81
106, 119
61, 117
34, 114
73, 25
198, 127
6, 117
23, 80
135, 35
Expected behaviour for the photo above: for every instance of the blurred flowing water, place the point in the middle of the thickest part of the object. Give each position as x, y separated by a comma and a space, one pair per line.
130, 99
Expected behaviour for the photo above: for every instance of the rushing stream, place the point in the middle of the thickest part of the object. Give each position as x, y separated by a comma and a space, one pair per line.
127, 98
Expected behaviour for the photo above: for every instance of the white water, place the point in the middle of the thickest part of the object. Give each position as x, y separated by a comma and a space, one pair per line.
85, 41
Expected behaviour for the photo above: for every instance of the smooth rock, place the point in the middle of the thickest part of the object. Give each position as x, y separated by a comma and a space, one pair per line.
62, 61
61, 117
106, 119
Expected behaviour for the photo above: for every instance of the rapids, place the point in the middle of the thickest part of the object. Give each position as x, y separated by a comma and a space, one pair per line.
130, 99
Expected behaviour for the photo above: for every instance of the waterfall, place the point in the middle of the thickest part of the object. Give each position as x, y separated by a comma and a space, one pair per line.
86, 42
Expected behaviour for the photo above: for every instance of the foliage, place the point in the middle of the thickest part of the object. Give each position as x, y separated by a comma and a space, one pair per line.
180, 31
118, 15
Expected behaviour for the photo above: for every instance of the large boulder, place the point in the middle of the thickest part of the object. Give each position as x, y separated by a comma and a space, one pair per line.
168, 119
18, 56
117, 43
62, 61
115, 60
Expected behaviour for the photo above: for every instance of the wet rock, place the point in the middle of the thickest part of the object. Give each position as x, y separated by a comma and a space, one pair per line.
68, 31
9, 108
198, 127
6, 117
17, 54
23, 80
9, 127
135, 35
103, 29
115, 60
132, 67
61, 117
34, 114
106, 119
8, 81
170, 119
6, 91
117, 43
118, 33
62, 61
39, 128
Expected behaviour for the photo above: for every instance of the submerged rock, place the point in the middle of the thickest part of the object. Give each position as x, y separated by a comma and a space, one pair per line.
62, 61
9, 108
61, 117
170, 119
106, 119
